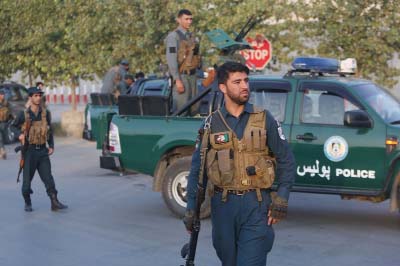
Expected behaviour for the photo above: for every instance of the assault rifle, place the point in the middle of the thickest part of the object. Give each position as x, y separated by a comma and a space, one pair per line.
189, 250
23, 148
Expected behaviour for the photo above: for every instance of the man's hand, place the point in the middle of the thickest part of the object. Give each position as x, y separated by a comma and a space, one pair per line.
277, 209
51, 151
188, 220
179, 86
272, 220
21, 138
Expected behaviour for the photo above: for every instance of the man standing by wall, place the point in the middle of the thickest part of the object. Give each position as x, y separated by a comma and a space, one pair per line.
183, 59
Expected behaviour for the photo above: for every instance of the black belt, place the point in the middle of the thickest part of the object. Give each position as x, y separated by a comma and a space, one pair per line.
37, 146
239, 192
189, 72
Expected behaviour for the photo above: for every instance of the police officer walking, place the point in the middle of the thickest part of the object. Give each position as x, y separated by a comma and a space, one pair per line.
245, 147
36, 122
4, 117
183, 59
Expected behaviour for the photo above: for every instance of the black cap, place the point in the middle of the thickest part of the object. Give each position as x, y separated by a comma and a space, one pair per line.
129, 76
34, 90
124, 62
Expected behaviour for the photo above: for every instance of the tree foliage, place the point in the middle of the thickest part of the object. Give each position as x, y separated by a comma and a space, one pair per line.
63, 40
367, 30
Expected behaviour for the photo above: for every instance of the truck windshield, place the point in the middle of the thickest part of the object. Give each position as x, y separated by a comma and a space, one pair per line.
383, 103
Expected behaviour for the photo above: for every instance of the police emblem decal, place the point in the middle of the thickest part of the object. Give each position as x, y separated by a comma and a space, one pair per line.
336, 148
280, 131
221, 138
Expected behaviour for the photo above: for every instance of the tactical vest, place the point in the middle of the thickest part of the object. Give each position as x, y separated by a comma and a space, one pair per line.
188, 53
38, 131
245, 164
4, 111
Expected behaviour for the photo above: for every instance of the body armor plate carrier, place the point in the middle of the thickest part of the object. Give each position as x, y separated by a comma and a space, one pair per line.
38, 132
245, 164
4, 111
188, 53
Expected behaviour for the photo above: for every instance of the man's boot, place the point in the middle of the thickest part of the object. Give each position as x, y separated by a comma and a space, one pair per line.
55, 204
3, 154
28, 203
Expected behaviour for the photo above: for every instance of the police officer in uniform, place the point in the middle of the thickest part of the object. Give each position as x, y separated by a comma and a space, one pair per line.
4, 117
246, 149
39, 85
36, 122
113, 81
183, 59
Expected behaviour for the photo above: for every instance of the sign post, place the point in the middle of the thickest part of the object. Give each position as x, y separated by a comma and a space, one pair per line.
260, 55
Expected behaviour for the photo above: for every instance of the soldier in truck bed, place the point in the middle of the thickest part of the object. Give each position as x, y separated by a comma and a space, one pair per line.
183, 59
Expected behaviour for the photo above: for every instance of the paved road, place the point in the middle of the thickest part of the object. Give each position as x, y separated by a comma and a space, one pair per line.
119, 221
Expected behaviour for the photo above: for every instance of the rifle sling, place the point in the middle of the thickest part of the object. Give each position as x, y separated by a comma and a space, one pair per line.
203, 152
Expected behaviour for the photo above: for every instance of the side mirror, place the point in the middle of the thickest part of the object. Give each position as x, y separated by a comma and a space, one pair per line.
357, 118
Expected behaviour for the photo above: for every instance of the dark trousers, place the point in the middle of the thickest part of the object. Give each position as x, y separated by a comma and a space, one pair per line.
2, 132
37, 159
240, 233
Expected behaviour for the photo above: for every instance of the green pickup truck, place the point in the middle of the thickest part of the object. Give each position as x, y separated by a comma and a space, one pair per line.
344, 133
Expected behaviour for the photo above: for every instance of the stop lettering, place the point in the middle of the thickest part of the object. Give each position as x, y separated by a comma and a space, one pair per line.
260, 55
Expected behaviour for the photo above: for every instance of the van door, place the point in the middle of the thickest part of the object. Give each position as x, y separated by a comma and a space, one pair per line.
331, 156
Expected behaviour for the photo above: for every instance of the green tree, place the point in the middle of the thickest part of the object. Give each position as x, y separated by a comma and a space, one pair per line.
367, 30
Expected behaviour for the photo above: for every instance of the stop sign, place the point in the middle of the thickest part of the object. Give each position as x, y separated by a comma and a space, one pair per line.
259, 56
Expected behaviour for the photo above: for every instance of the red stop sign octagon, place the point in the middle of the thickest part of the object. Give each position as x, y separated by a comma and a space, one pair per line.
259, 57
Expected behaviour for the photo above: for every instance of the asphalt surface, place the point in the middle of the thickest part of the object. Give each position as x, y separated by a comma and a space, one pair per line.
118, 220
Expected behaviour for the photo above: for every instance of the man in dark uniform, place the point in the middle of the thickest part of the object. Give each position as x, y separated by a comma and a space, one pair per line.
36, 130
183, 59
130, 82
39, 85
245, 147
4, 117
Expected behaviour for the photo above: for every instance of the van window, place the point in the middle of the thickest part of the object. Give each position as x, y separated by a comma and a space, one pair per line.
379, 99
324, 107
272, 100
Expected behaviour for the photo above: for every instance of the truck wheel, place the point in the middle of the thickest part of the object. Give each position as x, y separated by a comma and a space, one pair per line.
395, 195
174, 188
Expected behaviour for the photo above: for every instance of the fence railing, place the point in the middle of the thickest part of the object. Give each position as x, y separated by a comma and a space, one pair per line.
63, 94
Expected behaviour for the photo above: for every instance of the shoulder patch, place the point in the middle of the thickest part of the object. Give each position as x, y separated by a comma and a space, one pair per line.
172, 50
